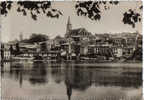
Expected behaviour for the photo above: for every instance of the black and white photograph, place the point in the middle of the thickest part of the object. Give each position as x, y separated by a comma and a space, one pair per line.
71, 50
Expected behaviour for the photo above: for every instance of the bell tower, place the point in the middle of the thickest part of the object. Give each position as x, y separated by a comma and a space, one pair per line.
69, 26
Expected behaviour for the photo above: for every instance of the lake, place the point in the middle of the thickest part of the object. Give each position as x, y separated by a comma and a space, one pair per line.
69, 81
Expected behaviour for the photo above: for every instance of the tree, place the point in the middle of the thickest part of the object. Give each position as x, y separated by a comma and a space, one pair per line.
11, 49
39, 75
131, 17
16, 51
90, 9
17, 47
34, 8
137, 55
38, 38
77, 49
43, 46
58, 37
2, 51
93, 9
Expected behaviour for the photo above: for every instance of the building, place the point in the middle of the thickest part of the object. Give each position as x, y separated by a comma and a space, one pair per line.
68, 28
74, 38
76, 34
104, 51
117, 51
25, 47
84, 48
5, 52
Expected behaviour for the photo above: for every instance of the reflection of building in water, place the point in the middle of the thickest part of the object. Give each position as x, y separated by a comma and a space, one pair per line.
21, 78
19, 72
38, 73
68, 88
82, 78
75, 77
6, 66
57, 72
15, 71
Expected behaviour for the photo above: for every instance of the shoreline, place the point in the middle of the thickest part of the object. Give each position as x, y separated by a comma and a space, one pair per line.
110, 64
113, 65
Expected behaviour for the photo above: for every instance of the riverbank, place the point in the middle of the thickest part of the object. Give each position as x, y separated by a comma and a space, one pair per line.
112, 65
84, 64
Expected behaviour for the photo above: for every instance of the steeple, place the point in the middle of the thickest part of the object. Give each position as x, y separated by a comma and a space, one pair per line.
69, 23
69, 26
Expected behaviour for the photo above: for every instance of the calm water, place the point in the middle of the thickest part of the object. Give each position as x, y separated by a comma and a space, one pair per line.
65, 81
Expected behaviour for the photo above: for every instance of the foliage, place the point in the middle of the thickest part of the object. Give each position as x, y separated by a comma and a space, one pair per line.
5, 6
77, 49
34, 8
137, 55
37, 38
92, 9
44, 47
17, 47
39, 75
11, 49
58, 37
131, 17
2, 51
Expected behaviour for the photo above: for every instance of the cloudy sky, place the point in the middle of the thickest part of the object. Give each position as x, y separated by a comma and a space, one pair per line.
15, 23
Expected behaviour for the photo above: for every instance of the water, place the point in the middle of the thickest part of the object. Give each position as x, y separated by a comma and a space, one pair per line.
65, 81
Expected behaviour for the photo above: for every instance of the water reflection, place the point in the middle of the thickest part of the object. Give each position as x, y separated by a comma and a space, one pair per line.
38, 74
74, 77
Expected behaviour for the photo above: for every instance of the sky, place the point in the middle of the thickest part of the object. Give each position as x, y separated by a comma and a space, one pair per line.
15, 23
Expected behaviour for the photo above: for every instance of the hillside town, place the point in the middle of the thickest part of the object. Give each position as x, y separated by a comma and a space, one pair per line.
77, 44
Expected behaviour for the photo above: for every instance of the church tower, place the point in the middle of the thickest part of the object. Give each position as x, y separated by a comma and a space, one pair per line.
69, 26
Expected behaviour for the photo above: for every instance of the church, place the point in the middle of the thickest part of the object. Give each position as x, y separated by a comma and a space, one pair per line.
80, 37
76, 34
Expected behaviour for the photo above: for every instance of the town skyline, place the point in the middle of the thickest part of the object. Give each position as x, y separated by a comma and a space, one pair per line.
53, 27
71, 50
